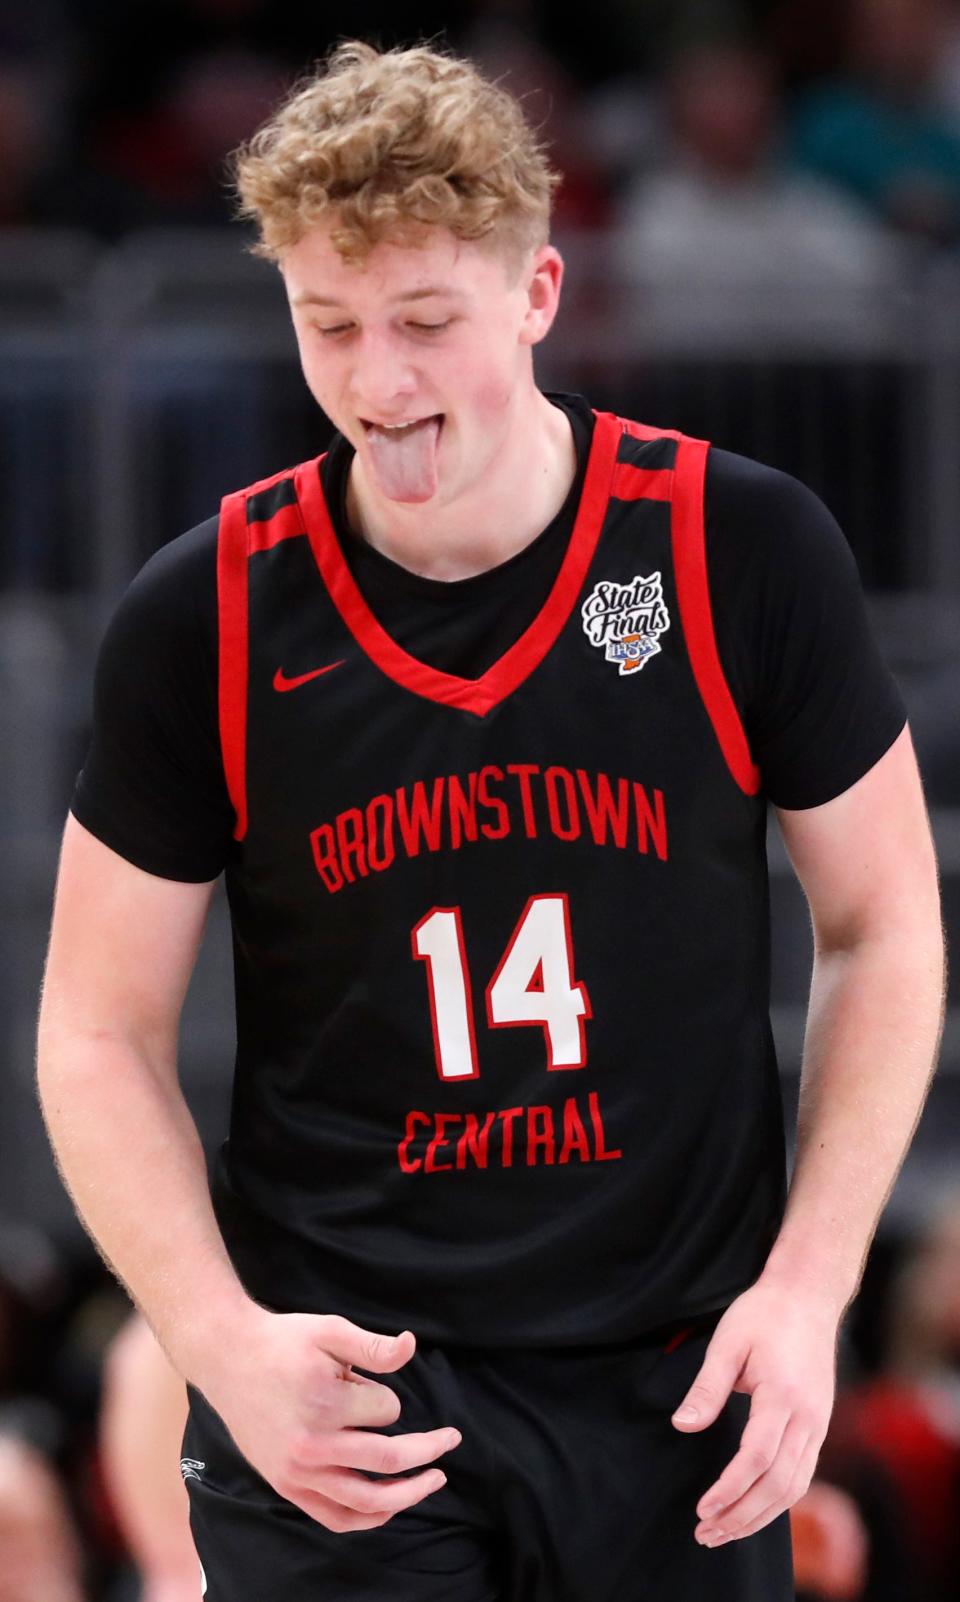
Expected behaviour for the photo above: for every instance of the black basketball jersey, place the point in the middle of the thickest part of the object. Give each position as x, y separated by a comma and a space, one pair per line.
505, 1072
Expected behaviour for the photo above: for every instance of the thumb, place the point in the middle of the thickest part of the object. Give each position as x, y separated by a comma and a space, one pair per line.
352, 1344
709, 1391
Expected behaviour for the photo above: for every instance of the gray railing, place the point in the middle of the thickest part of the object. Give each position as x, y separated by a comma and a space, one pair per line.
139, 382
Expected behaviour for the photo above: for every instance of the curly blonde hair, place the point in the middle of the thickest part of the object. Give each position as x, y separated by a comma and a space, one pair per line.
387, 144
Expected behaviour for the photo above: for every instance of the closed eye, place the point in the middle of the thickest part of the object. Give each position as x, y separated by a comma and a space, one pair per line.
424, 328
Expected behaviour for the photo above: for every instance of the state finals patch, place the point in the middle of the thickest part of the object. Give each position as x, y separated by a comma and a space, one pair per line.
626, 619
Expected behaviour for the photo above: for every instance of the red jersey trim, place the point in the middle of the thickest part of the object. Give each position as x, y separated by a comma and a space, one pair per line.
526, 654
693, 594
232, 649
677, 1338
645, 432
641, 483
269, 531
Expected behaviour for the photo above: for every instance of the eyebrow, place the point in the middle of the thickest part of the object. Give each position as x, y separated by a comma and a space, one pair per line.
410, 294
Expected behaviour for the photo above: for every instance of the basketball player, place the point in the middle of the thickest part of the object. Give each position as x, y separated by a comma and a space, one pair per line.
499, 1296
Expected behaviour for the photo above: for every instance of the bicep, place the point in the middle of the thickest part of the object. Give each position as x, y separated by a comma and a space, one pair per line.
866, 858
123, 944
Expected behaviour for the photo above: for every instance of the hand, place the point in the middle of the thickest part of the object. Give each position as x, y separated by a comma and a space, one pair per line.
287, 1395
777, 1345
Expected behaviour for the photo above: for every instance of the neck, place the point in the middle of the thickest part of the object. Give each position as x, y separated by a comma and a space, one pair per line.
518, 494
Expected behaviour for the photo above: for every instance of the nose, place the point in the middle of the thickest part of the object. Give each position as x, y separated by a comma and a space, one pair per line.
382, 374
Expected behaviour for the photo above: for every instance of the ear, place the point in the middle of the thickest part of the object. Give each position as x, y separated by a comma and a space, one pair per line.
543, 278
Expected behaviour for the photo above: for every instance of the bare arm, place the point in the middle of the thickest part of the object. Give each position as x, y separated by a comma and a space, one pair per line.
122, 948
123, 944
867, 863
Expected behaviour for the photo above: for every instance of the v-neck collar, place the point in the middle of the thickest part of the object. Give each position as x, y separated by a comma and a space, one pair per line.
516, 664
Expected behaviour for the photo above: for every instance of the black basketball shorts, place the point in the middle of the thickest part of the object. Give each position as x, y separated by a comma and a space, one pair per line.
570, 1485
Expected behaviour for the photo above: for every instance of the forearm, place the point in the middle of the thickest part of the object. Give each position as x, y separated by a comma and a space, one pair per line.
130, 1156
874, 1025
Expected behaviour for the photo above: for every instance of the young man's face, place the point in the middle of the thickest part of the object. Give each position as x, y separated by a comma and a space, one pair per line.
437, 337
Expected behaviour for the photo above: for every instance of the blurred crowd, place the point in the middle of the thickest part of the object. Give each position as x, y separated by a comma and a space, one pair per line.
796, 137
93, 1507
804, 142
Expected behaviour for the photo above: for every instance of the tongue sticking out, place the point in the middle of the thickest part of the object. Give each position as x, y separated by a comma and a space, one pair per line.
405, 460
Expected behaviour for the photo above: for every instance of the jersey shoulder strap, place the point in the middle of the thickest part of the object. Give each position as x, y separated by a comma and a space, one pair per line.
251, 519
665, 464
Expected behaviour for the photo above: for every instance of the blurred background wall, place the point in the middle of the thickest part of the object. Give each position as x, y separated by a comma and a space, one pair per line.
761, 223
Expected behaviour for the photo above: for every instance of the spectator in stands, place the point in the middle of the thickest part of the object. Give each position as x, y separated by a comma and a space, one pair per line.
30, 130
880, 131
39, 54
726, 213
41, 1558
830, 1545
161, 162
142, 1424
42, 1551
903, 1426
945, 77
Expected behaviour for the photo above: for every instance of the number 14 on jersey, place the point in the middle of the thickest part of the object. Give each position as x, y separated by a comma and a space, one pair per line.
533, 985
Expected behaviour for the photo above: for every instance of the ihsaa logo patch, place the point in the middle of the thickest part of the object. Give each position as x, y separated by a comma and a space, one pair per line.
626, 620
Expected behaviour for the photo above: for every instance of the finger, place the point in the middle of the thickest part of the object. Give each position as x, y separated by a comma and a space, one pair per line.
799, 1485
718, 1374
374, 1497
766, 1492
357, 1401
758, 1449
382, 1454
349, 1343
333, 1515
